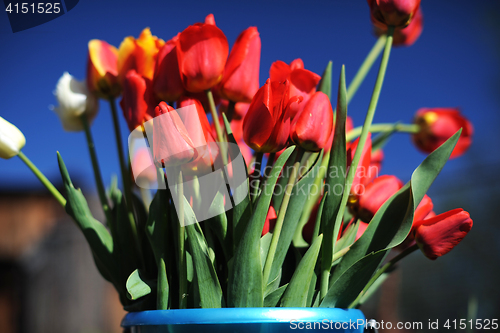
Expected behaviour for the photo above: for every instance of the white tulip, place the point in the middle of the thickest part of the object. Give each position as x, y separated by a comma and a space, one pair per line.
74, 100
12, 139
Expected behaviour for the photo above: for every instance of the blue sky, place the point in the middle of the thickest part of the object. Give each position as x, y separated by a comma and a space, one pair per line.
454, 63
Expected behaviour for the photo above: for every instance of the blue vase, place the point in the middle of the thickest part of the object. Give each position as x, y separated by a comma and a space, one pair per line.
243, 320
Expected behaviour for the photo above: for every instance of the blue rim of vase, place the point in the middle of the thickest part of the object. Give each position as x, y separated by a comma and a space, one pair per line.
240, 316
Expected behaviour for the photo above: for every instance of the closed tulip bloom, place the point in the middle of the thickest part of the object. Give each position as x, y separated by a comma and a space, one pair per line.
102, 69
438, 235
311, 127
376, 194
202, 51
167, 83
74, 101
397, 13
302, 81
137, 101
266, 126
241, 74
438, 125
12, 139
139, 54
172, 145
406, 36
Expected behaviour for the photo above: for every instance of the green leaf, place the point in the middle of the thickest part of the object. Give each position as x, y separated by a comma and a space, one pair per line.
243, 210
335, 181
392, 222
347, 287
245, 286
265, 242
218, 223
273, 298
297, 291
325, 85
96, 234
298, 197
136, 286
206, 277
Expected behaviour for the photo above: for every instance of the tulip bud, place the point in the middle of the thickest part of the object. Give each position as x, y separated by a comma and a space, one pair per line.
241, 74
375, 195
311, 127
266, 126
397, 13
12, 139
438, 235
139, 54
137, 101
167, 83
406, 36
438, 125
172, 145
74, 101
202, 51
302, 81
102, 70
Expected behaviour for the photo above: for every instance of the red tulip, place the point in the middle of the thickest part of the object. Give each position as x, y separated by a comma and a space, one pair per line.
167, 83
137, 101
406, 36
397, 13
202, 52
361, 230
438, 125
377, 157
424, 209
139, 54
375, 195
210, 19
241, 75
143, 167
438, 235
311, 127
360, 176
271, 218
302, 81
266, 126
172, 145
199, 131
102, 70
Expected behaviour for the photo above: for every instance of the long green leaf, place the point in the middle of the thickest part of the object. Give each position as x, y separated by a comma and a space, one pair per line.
392, 222
273, 298
297, 291
245, 286
325, 85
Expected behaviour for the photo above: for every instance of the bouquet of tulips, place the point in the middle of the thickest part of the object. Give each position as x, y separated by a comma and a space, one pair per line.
236, 195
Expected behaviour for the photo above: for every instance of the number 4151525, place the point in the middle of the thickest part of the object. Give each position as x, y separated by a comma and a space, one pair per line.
40, 8
462, 324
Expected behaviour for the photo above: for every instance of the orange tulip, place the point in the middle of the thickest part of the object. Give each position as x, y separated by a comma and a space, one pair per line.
139, 54
302, 81
241, 75
167, 83
202, 51
311, 128
102, 69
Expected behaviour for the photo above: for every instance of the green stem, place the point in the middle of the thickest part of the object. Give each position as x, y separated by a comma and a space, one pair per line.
381, 271
125, 177
365, 67
215, 116
376, 128
279, 222
97, 170
182, 252
43, 179
366, 127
